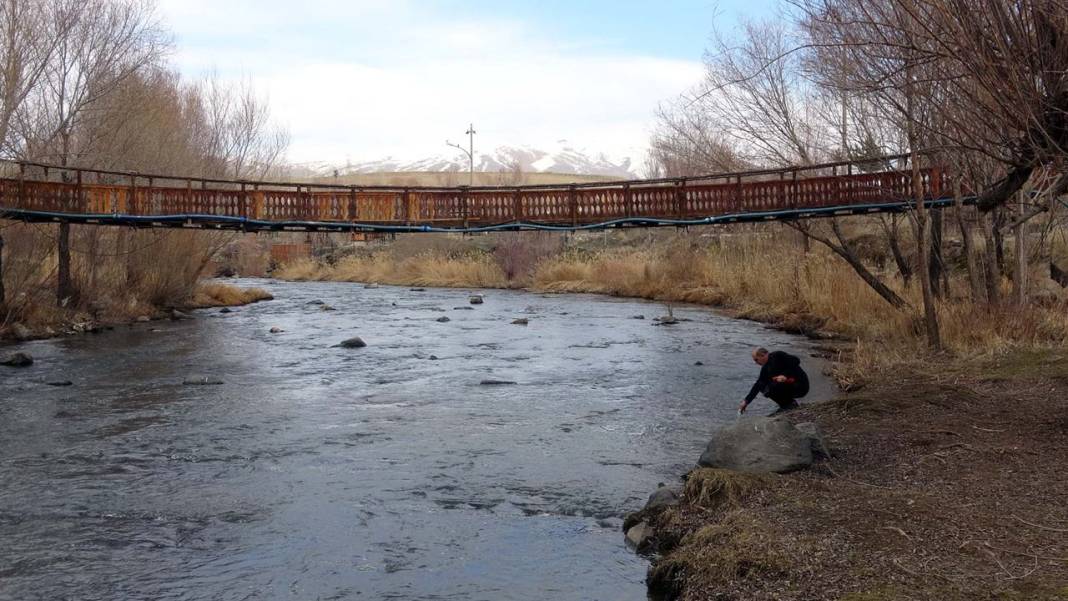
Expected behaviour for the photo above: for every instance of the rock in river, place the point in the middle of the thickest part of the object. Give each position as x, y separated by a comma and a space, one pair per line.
476, 299
522, 321
202, 381
17, 360
443, 319
354, 342
276, 330
759, 445
496, 383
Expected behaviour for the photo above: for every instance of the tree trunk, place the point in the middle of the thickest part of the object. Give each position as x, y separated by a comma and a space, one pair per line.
999, 242
894, 242
967, 237
1, 269
1019, 272
935, 265
64, 291
993, 273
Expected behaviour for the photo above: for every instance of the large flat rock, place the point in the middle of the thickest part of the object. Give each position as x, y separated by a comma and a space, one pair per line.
759, 445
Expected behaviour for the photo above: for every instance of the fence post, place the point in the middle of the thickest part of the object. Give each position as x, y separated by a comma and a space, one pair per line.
79, 203
627, 208
572, 200
680, 198
406, 199
133, 190
517, 205
463, 204
22, 186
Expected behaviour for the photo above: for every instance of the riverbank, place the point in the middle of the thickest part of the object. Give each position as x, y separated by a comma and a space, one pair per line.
54, 321
945, 483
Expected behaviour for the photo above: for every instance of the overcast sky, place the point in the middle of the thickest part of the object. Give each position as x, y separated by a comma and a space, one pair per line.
366, 79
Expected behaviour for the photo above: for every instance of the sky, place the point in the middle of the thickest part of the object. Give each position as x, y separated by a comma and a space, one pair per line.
361, 80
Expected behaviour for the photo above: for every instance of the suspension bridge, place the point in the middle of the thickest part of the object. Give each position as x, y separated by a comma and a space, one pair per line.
36, 192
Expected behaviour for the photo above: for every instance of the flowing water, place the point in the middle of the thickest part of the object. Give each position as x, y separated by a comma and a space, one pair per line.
316, 472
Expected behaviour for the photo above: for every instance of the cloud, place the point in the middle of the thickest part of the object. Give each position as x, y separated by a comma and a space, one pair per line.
365, 80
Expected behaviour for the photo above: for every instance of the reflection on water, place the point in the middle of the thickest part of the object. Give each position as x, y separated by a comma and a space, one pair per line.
317, 472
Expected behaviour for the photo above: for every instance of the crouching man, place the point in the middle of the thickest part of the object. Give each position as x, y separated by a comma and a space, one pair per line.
781, 380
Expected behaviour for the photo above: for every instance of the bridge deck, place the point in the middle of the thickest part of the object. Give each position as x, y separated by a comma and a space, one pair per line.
49, 193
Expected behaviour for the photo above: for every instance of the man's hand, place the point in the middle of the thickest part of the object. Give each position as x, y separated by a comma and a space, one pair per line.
779, 379
741, 408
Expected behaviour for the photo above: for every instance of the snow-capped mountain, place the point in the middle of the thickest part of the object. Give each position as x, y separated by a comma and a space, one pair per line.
562, 159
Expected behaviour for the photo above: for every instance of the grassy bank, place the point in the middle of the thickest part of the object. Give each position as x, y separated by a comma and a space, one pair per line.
117, 276
946, 484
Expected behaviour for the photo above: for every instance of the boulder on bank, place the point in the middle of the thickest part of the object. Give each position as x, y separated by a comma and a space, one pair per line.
177, 315
17, 360
21, 332
354, 342
815, 439
759, 445
640, 536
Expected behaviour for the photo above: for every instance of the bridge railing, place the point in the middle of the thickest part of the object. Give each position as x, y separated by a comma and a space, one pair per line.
63, 190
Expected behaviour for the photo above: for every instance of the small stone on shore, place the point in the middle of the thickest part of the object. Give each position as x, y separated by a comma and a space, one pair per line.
143, 319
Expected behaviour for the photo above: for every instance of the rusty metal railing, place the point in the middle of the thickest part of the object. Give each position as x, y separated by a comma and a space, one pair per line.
36, 191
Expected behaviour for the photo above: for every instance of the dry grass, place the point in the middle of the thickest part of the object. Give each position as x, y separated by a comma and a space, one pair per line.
117, 275
384, 268
215, 294
737, 552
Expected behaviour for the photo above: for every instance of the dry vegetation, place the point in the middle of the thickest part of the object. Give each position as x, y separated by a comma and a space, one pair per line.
86, 84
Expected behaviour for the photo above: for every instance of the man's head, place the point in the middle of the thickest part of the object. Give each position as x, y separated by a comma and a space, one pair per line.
760, 356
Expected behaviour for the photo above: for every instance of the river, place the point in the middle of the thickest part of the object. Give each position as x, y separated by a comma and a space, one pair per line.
316, 472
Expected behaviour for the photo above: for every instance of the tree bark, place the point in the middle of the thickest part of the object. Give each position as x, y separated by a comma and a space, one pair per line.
64, 291
894, 242
993, 272
2, 298
1019, 272
975, 279
934, 264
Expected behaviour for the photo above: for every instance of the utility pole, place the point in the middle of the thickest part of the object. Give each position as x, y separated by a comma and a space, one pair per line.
470, 151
